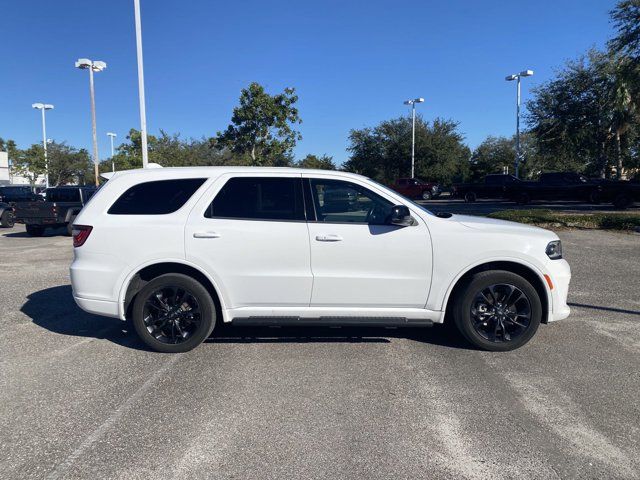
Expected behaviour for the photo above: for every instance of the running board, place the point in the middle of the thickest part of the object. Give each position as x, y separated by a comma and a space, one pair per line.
333, 321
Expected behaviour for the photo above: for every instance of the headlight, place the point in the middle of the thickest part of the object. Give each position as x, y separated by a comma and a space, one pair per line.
554, 250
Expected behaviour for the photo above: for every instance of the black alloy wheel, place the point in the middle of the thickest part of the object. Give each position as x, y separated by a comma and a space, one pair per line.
497, 310
501, 313
173, 313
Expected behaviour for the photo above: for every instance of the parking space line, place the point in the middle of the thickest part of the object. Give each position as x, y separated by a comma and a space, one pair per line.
62, 468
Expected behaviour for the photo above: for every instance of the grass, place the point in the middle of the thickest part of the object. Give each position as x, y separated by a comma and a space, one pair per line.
549, 218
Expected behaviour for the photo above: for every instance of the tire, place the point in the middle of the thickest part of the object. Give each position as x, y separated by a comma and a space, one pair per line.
35, 230
426, 195
523, 199
470, 197
172, 287
595, 197
7, 219
507, 335
622, 201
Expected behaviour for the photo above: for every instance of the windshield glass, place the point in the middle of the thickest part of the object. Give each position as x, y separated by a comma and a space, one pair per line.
408, 200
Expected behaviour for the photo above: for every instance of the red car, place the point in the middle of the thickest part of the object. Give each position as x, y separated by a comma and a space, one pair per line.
416, 188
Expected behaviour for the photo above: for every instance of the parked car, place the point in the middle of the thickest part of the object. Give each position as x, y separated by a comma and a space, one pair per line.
7, 219
573, 186
620, 193
179, 250
60, 208
557, 186
492, 186
17, 193
416, 188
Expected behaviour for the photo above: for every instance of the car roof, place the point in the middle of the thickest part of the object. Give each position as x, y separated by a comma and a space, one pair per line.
187, 172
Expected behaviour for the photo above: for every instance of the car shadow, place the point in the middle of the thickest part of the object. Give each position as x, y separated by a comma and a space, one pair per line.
55, 310
436, 335
49, 232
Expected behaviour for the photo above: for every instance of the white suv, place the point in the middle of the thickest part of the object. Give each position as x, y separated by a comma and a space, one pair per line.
178, 249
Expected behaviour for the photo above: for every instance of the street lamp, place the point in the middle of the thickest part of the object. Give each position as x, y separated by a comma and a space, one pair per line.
113, 164
143, 113
510, 78
97, 66
413, 132
43, 107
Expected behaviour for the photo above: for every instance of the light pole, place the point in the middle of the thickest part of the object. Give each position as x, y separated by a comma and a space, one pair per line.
97, 66
413, 132
43, 107
113, 164
510, 78
143, 113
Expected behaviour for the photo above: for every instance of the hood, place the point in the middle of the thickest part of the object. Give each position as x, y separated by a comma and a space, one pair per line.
503, 226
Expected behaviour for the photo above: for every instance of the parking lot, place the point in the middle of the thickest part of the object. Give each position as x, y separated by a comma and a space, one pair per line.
82, 398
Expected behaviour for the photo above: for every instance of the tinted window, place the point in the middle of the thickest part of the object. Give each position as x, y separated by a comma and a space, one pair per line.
493, 180
345, 202
259, 199
63, 195
156, 198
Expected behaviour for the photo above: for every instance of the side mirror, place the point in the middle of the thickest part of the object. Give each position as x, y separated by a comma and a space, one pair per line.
401, 216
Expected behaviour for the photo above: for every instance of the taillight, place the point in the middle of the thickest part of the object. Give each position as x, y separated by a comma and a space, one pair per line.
80, 234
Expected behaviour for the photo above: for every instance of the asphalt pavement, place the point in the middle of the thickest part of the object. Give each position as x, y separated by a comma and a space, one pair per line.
80, 397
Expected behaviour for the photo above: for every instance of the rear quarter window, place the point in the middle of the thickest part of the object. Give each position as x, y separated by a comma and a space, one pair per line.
156, 198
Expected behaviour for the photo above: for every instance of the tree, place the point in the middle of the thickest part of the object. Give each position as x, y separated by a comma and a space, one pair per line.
384, 152
262, 126
493, 155
67, 165
323, 162
626, 20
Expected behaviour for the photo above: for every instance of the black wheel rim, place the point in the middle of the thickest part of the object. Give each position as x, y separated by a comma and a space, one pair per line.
501, 313
172, 315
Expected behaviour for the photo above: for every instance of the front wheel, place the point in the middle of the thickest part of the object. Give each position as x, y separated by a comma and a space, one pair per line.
497, 311
7, 220
173, 313
426, 195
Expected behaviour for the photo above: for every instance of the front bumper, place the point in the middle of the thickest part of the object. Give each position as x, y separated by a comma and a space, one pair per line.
560, 274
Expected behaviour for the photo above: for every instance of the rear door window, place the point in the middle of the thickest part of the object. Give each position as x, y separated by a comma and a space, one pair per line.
259, 198
156, 198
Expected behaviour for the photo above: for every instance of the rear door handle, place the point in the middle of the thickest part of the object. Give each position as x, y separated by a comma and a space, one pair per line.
206, 235
329, 238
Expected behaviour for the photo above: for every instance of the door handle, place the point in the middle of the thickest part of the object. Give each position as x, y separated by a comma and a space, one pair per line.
329, 238
206, 235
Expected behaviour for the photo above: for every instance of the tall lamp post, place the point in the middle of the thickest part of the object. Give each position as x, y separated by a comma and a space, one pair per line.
510, 78
113, 164
143, 113
97, 66
413, 132
43, 107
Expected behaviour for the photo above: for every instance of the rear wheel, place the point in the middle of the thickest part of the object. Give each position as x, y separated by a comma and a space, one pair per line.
426, 195
497, 310
523, 198
470, 197
622, 201
70, 226
173, 313
35, 230
7, 220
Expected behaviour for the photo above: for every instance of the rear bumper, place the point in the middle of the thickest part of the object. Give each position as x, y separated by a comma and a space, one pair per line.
97, 307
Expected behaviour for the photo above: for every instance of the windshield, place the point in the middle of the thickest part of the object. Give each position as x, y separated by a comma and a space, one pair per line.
408, 200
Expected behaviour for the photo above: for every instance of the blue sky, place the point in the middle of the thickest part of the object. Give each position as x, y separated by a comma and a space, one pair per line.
352, 62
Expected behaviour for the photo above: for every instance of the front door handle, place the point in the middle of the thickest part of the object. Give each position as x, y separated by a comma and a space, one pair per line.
329, 238
206, 235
